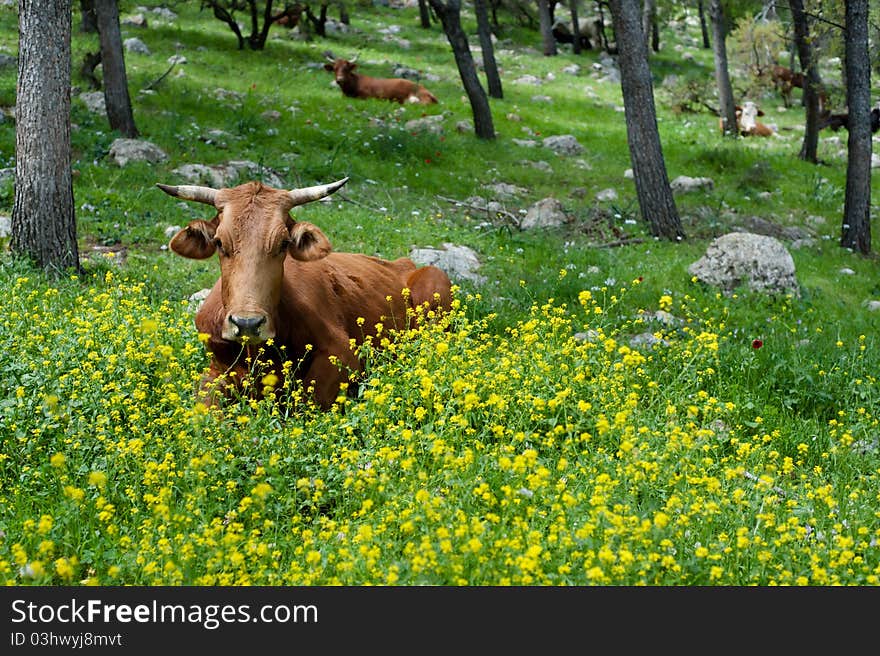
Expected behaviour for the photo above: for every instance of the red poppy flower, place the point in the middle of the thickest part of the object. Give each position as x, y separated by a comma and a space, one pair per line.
757, 343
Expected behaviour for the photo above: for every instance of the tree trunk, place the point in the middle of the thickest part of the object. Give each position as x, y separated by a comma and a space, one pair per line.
424, 14
704, 30
449, 12
484, 31
812, 83
89, 22
856, 233
727, 109
646, 154
221, 14
116, 96
649, 11
575, 28
546, 26
43, 214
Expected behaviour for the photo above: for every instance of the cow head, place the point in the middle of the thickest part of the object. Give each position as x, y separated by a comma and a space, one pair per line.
252, 233
342, 69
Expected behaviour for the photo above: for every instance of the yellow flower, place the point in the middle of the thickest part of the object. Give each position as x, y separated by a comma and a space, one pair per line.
45, 524
149, 326
261, 490
98, 479
65, 568
74, 493
57, 460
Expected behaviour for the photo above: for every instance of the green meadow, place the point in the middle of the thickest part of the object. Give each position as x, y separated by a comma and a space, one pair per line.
527, 438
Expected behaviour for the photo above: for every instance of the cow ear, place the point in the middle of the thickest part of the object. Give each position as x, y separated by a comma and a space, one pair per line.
195, 241
328, 67
307, 242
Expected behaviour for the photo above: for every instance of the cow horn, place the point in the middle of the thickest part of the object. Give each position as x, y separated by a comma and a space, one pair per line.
329, 55
190, 192
354, 58
308, 194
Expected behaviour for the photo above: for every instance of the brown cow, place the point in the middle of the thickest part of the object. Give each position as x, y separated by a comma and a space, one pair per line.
356, 85
746, 121
785, 79
283, 295
837, 121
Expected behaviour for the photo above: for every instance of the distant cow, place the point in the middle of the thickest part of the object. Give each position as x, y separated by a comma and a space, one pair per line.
837, 121
356, 85
747, 123
589, 31
290, 16
785, 79
283, 295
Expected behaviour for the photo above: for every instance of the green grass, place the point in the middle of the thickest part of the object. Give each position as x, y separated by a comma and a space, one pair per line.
503, 450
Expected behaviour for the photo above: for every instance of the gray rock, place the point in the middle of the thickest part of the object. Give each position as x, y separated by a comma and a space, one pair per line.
5, 226
136, 20
546, 213
528, 79
646, 339
196, 299
123, 151
564, 144
94, 102
432, 124
459, 262
759, 262
684, 184
136, 45
229, 174
506, 191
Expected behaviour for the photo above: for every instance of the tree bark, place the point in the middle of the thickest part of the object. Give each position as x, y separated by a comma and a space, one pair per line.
43, 214
424, 14
546, 26
484, 31
646, 154
812, 82
116, 96
704, 30
649, 13
89, 21
856, 232
576, 44
449, 12
727, 109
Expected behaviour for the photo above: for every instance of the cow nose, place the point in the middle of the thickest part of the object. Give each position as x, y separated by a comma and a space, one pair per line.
246, 325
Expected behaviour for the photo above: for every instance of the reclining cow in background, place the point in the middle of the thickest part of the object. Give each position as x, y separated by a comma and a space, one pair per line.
589, 32
837, 121
747, 123
356, 85
283, 295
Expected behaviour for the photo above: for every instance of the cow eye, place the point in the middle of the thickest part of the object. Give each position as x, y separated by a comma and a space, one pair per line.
219, 246
285, 244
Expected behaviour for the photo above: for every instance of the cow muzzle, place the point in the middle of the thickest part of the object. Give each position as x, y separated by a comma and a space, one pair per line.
250, 327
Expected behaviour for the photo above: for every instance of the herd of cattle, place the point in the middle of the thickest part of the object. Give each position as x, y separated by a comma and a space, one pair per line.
283, 294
